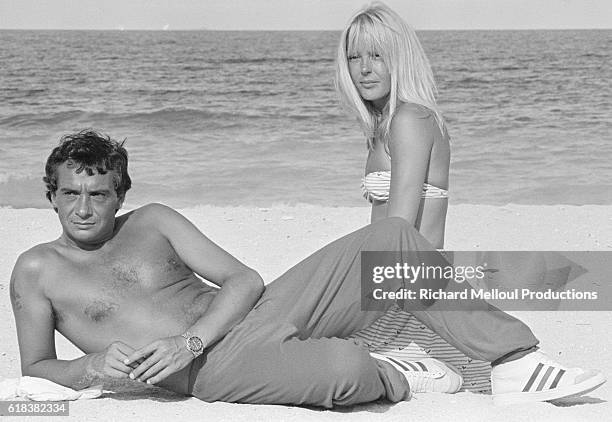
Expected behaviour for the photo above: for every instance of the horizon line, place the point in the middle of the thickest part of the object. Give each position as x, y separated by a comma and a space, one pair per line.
295, 30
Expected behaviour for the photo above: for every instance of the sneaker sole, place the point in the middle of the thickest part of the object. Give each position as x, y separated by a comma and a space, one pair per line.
584, 387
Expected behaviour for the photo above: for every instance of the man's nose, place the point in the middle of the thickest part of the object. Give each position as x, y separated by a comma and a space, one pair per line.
83, 209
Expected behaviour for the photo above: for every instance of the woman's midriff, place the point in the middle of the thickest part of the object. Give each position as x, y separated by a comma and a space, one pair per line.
431, 219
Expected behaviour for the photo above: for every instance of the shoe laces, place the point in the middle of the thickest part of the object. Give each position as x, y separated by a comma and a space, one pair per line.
420, 381
545, 359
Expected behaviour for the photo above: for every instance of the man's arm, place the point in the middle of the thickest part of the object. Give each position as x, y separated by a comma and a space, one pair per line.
35, 324
241, 287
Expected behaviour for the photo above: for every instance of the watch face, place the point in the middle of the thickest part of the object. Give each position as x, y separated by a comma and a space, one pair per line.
194, 344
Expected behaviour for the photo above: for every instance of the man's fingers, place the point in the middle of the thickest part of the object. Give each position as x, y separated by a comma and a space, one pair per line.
116, 355
124, 348
117, 372
121, 367
140, 354
134, 365
162, 375
153, 370
145, 365
153, 358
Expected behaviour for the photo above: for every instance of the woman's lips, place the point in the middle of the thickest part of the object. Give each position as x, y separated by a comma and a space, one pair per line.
368, 84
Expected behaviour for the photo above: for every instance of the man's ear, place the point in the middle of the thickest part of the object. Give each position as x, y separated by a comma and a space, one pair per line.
120, 200
52, 200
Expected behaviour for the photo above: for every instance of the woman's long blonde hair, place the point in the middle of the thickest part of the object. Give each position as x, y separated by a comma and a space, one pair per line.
379, 29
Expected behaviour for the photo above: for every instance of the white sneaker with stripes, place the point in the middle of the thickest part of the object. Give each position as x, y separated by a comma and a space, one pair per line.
427, 375
536, 377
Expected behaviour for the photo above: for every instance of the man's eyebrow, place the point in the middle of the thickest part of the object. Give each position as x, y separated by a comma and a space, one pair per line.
101, 190
76, 189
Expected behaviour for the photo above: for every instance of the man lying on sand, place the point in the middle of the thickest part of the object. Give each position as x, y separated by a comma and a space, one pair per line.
124, 290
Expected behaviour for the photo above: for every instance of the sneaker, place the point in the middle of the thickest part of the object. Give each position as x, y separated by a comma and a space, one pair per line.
535, 377
426, 375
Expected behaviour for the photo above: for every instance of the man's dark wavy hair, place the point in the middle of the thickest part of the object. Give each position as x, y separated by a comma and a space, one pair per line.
90, 151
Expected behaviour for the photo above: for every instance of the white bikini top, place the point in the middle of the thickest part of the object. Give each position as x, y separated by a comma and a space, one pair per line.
376, 185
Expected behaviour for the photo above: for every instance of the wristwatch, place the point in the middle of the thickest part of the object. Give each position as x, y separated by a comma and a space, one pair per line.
193, 343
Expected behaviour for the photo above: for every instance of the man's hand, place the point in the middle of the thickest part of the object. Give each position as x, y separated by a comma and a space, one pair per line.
111, 362
159, 359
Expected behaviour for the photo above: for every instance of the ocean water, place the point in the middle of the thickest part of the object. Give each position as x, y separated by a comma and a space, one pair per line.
230, 118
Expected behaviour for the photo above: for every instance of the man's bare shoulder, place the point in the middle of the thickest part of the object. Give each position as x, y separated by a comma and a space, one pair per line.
151, 215
34, 258
31, 263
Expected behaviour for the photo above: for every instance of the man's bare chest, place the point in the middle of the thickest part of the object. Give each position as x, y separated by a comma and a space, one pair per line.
101, 285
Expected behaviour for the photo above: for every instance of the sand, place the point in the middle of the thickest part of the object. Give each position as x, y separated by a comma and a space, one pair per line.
272, 239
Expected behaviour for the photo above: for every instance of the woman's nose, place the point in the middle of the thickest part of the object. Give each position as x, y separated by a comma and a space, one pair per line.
366, 65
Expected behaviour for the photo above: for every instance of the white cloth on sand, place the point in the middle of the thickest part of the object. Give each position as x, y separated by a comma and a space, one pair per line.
40, 389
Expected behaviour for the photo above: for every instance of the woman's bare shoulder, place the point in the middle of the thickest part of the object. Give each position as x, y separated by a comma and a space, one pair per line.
413, 111
411, 125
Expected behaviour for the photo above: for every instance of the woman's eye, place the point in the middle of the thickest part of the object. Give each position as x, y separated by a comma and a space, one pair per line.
353, 58
376, 56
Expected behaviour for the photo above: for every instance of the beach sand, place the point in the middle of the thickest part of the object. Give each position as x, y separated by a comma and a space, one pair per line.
272, 239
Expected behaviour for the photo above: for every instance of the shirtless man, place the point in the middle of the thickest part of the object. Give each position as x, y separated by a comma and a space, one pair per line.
108, 294
124, 290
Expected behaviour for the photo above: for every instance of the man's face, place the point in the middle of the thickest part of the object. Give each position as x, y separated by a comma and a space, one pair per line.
86, 205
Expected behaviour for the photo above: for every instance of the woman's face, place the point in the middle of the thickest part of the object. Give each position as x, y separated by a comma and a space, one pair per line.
370, 76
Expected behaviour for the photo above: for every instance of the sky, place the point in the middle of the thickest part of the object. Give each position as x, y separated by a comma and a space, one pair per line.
299, 14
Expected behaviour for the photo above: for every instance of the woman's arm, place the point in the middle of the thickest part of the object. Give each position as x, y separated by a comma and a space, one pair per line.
410, 144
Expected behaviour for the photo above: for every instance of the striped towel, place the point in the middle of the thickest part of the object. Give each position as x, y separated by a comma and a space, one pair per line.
408, 338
